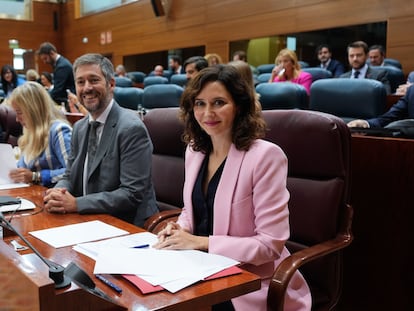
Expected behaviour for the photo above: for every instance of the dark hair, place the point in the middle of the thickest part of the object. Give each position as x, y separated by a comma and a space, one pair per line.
5, 83
379, 48
199, 61
242, 55
46, 48
358, 44
248, 124
48, 76
176, 58
321, 46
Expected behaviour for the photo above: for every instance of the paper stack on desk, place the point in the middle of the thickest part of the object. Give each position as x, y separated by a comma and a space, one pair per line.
8, 162
162, 269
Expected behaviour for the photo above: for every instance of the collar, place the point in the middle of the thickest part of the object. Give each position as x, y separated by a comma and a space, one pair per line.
104, 115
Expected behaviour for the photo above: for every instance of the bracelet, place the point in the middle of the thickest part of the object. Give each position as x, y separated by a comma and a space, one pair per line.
35, 177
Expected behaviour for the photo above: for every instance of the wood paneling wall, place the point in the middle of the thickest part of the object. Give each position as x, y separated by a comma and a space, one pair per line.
212, 23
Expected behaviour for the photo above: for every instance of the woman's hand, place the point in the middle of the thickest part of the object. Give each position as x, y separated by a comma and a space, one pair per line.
23, 175
174, 237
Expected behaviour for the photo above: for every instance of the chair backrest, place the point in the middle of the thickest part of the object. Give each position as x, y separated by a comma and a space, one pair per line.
318, 73
123, 82
10, 127
410, 77
265, 68
263, 77
137, 78
303, 64
151, 80
165, 130
282, 95
317, 146
179, 79
392, 62
129, 97
349, 99
162, 96
395, 76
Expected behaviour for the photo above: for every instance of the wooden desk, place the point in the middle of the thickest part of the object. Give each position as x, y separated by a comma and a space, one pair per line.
197, 297
391, 100
73, 117
378, 264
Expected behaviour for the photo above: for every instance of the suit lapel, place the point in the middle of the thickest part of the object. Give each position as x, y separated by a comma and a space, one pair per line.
225, 190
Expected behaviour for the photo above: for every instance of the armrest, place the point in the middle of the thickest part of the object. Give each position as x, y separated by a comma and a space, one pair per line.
157, 222
284, 272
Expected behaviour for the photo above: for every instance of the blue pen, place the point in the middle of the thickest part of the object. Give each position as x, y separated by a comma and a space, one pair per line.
141, 246
109, 283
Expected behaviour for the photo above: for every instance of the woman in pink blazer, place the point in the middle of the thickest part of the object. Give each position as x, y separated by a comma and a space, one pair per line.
235, 196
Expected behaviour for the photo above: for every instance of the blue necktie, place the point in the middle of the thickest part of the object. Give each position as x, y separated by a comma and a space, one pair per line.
356, 74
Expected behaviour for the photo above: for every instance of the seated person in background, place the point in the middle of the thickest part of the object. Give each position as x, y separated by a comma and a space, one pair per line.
213, 59
120, 71
159, 70
402, 89
403, 109
324, 54
241, 55
9, 80
32, 75
376, 54
117, 180
74, 105
287, 69
174, 63
46, 80
246, 74
229, 208
357, 57
193, 65
45, 143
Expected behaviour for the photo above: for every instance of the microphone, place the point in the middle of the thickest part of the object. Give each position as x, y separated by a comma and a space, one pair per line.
56, 271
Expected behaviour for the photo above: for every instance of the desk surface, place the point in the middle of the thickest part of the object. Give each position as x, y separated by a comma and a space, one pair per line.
196, 297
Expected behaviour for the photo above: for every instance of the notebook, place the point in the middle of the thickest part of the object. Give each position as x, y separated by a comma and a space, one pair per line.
10, 204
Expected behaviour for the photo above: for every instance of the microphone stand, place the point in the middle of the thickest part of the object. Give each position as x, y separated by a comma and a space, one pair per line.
56, 271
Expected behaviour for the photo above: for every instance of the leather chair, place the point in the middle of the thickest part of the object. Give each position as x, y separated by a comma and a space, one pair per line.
165, 130
263, 78
137, 78
392, 62
265, 68
318, 73
410, 77
179, 79
282, 95
129, 97
10, 127
303, 64
318, 149
162, 96
151, 80
123, 82
395, 75
348, 99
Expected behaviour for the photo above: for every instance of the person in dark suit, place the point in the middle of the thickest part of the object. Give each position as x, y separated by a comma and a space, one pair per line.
118, 180
324, 54
357, 57
403, 109
62, 72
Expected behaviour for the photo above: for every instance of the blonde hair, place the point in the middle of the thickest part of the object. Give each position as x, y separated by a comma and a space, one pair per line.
39, 113
32, 75
209, 57
293, 58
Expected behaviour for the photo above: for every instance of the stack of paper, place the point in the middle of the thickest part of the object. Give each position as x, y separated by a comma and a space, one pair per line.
8, 162
172, 270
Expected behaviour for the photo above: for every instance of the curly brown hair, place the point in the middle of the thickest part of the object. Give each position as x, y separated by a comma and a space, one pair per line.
248, 124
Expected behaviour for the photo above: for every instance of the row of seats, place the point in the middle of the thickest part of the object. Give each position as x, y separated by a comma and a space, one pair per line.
318, 182
139, 79
346, 98
396, 76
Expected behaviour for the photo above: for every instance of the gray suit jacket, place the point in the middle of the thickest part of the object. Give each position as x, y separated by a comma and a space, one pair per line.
375, 74
120, 181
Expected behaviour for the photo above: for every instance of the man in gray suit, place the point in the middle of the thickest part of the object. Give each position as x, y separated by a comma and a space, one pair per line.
118, 179
357, 57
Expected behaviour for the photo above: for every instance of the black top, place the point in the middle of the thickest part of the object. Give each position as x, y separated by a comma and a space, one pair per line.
203, 205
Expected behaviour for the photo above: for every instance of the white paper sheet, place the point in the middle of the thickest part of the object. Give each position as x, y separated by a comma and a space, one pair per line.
8, 162
77, 233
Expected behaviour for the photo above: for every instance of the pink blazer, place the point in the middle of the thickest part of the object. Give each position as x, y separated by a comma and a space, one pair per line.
251, 218
305, 79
